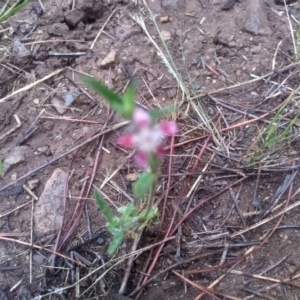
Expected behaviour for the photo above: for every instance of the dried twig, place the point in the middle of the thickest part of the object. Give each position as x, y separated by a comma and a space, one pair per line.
31, 85
210, 292
112, 128
38, 247
102, 28
235, 200
277, 196
31, 128
285, 281
19, 124
129, 264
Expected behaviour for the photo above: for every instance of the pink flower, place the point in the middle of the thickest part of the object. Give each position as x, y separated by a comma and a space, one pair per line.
147, 137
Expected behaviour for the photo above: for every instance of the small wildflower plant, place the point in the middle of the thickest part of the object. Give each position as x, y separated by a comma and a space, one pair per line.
147, 138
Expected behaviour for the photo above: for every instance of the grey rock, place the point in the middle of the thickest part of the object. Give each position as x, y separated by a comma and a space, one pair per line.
166, 35
20, 52
100, 241
43, 149
71, 97
73, 17
15, 157
255, 19
48, 214
109, 61
59, 105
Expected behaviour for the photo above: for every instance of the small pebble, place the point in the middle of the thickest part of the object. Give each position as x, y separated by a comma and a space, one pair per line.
110, 61
100, 241
131, 177
164, 19
166, 35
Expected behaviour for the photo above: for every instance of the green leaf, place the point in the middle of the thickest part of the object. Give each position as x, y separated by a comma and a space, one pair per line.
125, 209
154, 162
114, 99
118, 238
128, 101
19, 4
1, 166
104, 208
3, 8
143, 184
157, 113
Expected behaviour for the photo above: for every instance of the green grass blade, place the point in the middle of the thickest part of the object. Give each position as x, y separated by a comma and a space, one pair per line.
143, 184
104, 208
157, 113
18, 5
118, 238
128, 101
3, 8
114, 99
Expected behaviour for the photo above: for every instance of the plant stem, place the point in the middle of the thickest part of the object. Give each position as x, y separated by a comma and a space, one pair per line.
150, 200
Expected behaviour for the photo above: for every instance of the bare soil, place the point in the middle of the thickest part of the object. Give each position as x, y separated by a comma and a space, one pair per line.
215, 57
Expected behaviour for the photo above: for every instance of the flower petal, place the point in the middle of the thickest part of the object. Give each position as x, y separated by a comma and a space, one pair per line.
141, 159
126, 140
168, 128
141, 118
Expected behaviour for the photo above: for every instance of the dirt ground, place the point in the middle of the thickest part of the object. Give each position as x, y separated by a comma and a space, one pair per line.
237, 75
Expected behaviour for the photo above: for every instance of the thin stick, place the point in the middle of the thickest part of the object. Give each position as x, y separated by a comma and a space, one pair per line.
235, 201
31, 85
31, 241
13, 234
265, 238
19, 124
102, 28
31, 128
245, 82
224, 254
53, 41
40, 248
10, 212
42, 6
129, 264
294, 205
210, 292
114, 127
199, 287
96, 270
236, 125
204, 169
286, 281
169, 180
72, 120
257, 294
29, 191
204, 201
291, 27
154, 277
